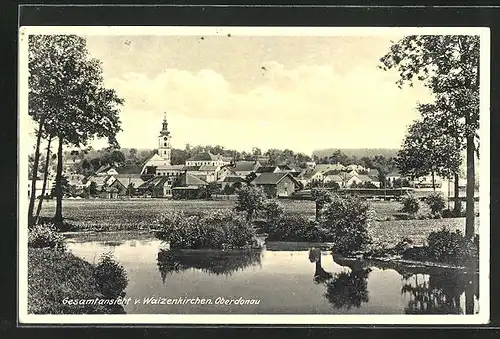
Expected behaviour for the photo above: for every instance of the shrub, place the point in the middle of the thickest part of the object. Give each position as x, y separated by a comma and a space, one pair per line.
111, 278
45, 235
216, 229
411, 205
436, 203
345, 222
273, 211
294, 228
450, 247
250, 200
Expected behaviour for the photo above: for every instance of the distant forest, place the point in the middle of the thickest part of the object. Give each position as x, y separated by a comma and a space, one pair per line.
357, 152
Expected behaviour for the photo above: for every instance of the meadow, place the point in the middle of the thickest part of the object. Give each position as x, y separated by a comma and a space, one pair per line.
140, 214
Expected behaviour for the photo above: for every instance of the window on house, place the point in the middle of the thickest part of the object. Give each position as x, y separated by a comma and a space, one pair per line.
165, 144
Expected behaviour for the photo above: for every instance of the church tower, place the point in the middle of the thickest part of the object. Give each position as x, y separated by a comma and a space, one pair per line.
164, 149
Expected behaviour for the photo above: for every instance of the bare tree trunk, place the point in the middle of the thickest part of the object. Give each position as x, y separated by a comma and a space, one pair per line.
35, 172
457, 207
469, 220
59, 193
433, 182
45, 175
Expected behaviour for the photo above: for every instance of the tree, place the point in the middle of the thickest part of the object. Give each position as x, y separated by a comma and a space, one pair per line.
449, 66
250, 200
427, 149
67, 92
93, 189
321, 197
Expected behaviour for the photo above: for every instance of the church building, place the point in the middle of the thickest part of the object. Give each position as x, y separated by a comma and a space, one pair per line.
160, 162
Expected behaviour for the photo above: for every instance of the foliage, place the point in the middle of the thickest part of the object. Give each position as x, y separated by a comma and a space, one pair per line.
93, 189
294, 228
321, 197
111, 278
68, 98
450, 247
345, 221
218, 229
436, 203
250, 200
212, 262
449, 66
411, 205
55, 275
427, 148
348, 289
273, 211
45, 235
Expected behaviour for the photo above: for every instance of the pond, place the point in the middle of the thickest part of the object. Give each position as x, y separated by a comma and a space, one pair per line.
283, 278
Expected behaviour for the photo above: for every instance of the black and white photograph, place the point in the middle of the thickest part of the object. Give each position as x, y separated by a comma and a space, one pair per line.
253, 175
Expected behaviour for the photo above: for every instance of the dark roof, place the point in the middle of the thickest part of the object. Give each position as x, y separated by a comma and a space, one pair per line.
153, 182
284, 167
207, 168
129, 169
266, 169
332, 172
191, 168
244, 165
271, 178
233, 178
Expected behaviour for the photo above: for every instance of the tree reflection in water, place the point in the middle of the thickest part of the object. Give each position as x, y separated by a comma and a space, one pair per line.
439, 291
209, 261
345, 289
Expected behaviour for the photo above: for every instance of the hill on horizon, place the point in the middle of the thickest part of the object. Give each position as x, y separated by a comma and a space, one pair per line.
358, 152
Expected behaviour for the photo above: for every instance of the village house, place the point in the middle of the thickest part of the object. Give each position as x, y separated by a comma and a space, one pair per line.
130, 179
106, 170
188, 187
244, 168
231, 180
208, 173
207, 158
267, 169
157, 187
277, 184
224, 172
39, 186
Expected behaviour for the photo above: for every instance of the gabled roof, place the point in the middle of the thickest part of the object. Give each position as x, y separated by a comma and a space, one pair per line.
191, 168
266, 169
363, 177
244, 166
170, 167
129, 169
334, 177
153, 182
208, 168
189, 180
272, 178
206, 156
332, 172
233, 178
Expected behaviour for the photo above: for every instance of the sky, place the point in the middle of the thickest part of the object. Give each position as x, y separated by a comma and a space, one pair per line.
297, 92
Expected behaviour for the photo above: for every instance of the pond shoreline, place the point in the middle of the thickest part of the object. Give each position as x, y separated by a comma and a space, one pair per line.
84, 236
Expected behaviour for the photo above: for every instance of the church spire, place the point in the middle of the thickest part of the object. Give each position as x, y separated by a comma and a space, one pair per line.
164, 129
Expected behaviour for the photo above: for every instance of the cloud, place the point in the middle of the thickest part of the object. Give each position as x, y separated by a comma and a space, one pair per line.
305, 100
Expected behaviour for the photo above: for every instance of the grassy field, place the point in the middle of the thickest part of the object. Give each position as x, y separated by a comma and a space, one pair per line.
139, 214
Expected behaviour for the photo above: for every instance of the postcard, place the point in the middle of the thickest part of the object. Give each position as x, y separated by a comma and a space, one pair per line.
253, 175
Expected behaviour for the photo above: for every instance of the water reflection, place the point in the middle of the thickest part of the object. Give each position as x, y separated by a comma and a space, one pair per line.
208, 261
344, 290
439, 293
